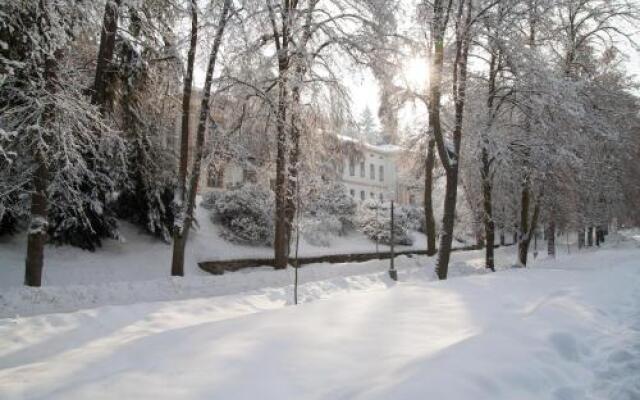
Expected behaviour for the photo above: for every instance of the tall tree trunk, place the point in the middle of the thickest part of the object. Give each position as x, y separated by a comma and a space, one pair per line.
438, 29
486, 177
590, 236
292, 176
105, 55
489, 224
281, 39
179, 239
37, 234
523, 246
581, 238
179, 245
281, 242
298, 62
523, 241
551, 238
430, 221
448, 221
450, 157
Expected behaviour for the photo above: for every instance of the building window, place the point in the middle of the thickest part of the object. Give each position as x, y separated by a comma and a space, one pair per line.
352, 192
352, 168
372, 171
362, 169
381, 173
249, 175
215, 178
362, 195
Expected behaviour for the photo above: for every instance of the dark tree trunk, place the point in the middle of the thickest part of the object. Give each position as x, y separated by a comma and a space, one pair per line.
448, 220
489, 225
551, 238
430, 221
527, 227
104, 69
281, 242
581, 238
179, 238
450, 158
590, 236
503, 241
37, 234
179, 245
523, 241
281, 39
292, 177
293, 185
38, 226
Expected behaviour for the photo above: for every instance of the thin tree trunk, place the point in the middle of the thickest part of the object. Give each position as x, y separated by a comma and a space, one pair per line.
452, 156
37, 235
179, 238
294, 151
486, 177
430, 221
551, 238
186, 104
105, 55
581, 238
523, 245
293, 186
281, 242
523, 241
590, 236
489, 224
177, 267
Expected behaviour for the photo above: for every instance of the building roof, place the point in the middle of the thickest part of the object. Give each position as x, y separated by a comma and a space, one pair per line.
381, 148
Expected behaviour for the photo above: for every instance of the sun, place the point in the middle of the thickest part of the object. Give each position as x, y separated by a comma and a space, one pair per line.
416, 73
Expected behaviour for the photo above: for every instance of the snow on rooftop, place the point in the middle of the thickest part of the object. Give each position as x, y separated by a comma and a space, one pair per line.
379, 148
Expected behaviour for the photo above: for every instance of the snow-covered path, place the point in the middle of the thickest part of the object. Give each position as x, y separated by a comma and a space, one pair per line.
566, 330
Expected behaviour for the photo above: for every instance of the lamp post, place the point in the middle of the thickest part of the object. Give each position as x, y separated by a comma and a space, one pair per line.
393, 273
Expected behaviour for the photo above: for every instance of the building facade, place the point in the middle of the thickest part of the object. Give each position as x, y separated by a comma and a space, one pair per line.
377, 172
370, 172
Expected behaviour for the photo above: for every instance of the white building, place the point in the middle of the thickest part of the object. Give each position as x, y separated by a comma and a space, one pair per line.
370, 172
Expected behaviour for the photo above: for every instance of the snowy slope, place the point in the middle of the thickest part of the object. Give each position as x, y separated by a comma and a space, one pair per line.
563, 330
139, 257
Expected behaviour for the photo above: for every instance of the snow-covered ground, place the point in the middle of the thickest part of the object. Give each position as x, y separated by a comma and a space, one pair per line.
139, 257
564, 329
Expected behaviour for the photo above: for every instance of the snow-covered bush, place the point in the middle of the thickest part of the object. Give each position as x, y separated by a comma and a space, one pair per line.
332, 204
209, 199
245, 215
374, 220
321, 229
415, 218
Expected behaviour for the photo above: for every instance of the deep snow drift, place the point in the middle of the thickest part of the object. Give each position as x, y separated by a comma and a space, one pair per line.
568, 329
